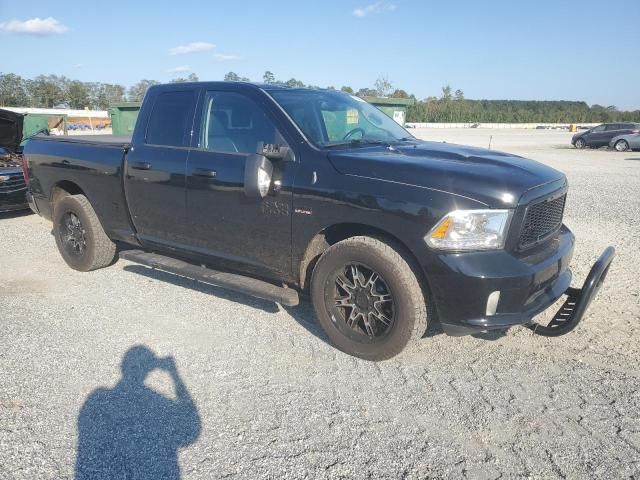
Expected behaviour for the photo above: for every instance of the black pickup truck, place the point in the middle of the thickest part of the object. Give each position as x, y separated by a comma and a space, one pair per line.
273, 191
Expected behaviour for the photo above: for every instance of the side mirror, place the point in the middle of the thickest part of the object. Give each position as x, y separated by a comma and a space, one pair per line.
276, 152
258, 172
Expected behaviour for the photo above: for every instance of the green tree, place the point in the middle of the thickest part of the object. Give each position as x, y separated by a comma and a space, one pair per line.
384, 87
458, 95
137, 91
47, 90
13, 91
367, 92
78, 95
292, 82
192, 77
232, 77
103, 95
347, 89
269, 77
399, 93
446, 93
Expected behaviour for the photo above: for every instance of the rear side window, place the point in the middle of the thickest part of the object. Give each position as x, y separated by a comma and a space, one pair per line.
171, 118
613, 126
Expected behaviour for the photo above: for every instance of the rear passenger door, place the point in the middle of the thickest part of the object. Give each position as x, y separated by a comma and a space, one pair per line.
611, 130
253, 234
155, 168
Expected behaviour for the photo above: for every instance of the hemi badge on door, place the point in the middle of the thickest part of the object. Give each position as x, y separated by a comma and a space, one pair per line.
303, 211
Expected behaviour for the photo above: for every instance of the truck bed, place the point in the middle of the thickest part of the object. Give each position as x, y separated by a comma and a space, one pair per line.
115, 140
87, 164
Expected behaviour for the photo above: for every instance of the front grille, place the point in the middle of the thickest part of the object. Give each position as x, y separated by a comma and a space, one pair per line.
541, 220
15, 183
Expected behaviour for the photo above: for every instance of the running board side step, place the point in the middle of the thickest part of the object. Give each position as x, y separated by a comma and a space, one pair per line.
239, 283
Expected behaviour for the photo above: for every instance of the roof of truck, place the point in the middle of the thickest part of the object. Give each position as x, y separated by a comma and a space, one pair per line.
256, 85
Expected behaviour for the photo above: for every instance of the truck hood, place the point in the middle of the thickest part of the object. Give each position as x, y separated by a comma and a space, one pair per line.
10, 129
494, 178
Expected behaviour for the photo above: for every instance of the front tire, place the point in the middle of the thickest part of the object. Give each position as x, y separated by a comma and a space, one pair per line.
368, 299
621, 146
580, 144
79, 235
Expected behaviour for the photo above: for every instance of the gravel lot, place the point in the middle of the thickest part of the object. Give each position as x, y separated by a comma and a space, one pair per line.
271, 399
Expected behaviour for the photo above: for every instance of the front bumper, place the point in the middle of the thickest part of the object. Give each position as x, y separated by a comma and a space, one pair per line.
17, 200
462, 282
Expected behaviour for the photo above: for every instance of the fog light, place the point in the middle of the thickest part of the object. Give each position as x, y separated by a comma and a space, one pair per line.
492, 302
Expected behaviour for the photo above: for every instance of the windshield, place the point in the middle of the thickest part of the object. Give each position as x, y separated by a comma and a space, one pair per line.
330, 118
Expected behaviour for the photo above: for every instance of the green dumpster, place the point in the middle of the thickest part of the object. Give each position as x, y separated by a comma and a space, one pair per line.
123, 117
396, 108
32, 123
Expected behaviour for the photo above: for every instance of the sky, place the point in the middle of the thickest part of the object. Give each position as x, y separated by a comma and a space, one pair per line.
526, 50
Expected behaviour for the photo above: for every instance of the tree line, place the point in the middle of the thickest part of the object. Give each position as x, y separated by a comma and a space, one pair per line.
454, 108
50, 91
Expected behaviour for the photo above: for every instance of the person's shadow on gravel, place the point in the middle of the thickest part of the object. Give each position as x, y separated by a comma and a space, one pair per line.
131, 431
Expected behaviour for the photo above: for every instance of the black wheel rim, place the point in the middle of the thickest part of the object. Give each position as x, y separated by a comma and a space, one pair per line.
361, 303
73, 234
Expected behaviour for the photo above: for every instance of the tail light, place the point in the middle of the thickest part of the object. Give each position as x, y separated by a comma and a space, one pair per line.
25, 170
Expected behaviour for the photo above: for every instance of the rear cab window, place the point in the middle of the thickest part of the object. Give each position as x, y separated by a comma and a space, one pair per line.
171, 119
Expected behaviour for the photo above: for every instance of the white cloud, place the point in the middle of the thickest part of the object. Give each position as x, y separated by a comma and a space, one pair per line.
222, 57
78, 65
180, 69
35, 26
377, 7
194, 47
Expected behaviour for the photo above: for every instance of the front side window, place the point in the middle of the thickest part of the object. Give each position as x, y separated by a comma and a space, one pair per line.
171, 119
613, 126
329, 118
234, 123
599, 128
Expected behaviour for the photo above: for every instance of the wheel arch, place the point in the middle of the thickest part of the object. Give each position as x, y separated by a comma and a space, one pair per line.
341, 231
64, 187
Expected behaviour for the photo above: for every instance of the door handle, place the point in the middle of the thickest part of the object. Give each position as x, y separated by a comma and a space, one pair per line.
140, 165
204, 172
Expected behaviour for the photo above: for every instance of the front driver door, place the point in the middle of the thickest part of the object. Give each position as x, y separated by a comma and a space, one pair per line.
595, 137
222, 222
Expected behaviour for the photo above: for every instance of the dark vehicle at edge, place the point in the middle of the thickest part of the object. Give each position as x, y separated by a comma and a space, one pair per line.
601, 135
13, 188
271, 190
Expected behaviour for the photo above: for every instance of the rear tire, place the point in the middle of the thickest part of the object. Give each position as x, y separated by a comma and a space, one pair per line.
580, 144
621, 146
79, 235
368, 299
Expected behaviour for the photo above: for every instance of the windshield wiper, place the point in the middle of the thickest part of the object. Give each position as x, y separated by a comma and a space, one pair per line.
356, 143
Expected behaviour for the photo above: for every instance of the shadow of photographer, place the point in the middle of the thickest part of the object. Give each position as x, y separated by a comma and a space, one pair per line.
131, 431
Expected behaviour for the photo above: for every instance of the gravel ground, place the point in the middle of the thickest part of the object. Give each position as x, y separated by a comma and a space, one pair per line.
258, 393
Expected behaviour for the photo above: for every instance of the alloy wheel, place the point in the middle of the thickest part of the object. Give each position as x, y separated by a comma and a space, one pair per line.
73, 234
621, 146
363, 303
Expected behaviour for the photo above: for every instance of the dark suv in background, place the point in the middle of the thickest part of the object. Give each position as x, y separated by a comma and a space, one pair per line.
601, 135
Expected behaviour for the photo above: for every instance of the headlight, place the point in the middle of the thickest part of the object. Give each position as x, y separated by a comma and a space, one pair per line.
470, 230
